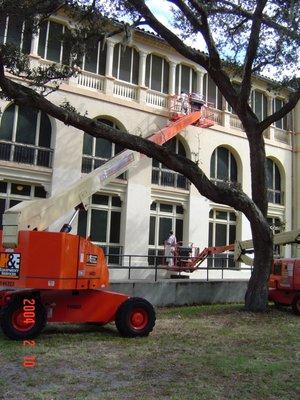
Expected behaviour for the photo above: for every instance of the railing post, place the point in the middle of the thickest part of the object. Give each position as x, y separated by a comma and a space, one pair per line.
155, 272
129, 267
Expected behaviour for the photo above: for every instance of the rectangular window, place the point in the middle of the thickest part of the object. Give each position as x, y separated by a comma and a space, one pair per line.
152, 231
165, 225
54, 42
21, 190
98, 225
156, 76
115, 224
26, 127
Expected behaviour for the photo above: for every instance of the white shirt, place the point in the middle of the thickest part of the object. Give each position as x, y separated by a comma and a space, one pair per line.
171, 241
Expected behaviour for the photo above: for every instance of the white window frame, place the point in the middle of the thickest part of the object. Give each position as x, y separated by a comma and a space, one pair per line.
6, 31
45, 53
190, 77
162, 72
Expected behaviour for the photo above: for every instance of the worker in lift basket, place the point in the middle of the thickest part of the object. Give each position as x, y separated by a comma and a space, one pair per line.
184, 101
170, 245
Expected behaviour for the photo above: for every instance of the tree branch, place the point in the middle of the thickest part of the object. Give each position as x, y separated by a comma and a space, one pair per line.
292, 102
251, 52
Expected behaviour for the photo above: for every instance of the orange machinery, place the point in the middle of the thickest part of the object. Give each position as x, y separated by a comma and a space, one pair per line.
284, 280
61, 277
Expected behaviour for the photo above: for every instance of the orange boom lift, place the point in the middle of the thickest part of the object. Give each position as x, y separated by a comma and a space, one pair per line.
65, 276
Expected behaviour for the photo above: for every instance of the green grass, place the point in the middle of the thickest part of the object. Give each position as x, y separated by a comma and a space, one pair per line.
200, 352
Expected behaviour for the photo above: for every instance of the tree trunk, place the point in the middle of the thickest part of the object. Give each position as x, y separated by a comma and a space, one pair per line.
256, 298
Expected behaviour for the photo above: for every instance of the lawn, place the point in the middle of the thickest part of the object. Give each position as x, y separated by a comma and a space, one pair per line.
200, 352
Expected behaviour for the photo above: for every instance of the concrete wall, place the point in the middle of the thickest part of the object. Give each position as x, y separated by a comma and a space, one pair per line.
183, 292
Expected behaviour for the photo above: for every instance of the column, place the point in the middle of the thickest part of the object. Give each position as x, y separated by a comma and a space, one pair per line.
172, 77
142, 68
109, 79
142, 91
34, 44
109, 58
199, 86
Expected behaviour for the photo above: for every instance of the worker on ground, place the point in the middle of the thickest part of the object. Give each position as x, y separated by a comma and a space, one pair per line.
170, 246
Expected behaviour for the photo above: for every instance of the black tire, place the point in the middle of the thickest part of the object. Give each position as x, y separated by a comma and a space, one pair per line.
135, 317
296, 304
12, 321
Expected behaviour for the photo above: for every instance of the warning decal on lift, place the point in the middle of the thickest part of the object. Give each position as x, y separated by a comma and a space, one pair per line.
10, 265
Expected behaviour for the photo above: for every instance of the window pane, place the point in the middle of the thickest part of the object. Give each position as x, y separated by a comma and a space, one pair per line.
153, 206
2, 27
26, 126
152, 231
125, 64
3, 187
213, 165
221, 215
179, 210
27, 36
156, 75
102, 60
116, 201
45, 131
148, 61
258, 105
211, 214
14, 31
232, 216
13, 203
98, 225
82, 219
100, 199
222, 166
233, 169
103, 148
22, 190
91, 56
54, 42
211, 95
87, 144
42, 39
39, 191
194, 81
179, 230
210, 234
116, 60
269, 174
166, 208
2, 209
115, 221
177, 79
165, 225
185, 79
277, 178
7, 121
220, 234
135, 67
232, 234
166, 77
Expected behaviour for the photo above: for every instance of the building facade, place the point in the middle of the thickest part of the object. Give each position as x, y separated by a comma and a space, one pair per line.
130, 89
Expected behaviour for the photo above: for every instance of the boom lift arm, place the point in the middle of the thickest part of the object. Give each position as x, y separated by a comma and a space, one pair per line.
39, 214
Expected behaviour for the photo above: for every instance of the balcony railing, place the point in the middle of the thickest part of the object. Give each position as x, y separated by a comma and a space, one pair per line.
89, 163
157, 99
275, 196
26, 154
125, 90
169, 178
90, 80
235, 122
282, 136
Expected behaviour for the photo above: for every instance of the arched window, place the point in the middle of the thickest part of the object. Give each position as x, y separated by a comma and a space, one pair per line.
223, 166
16, 32
259, 104
222, 231
126, 64
186, 79
51, 45
25, 136
275, 195
157, 73
96, 151
162, 175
